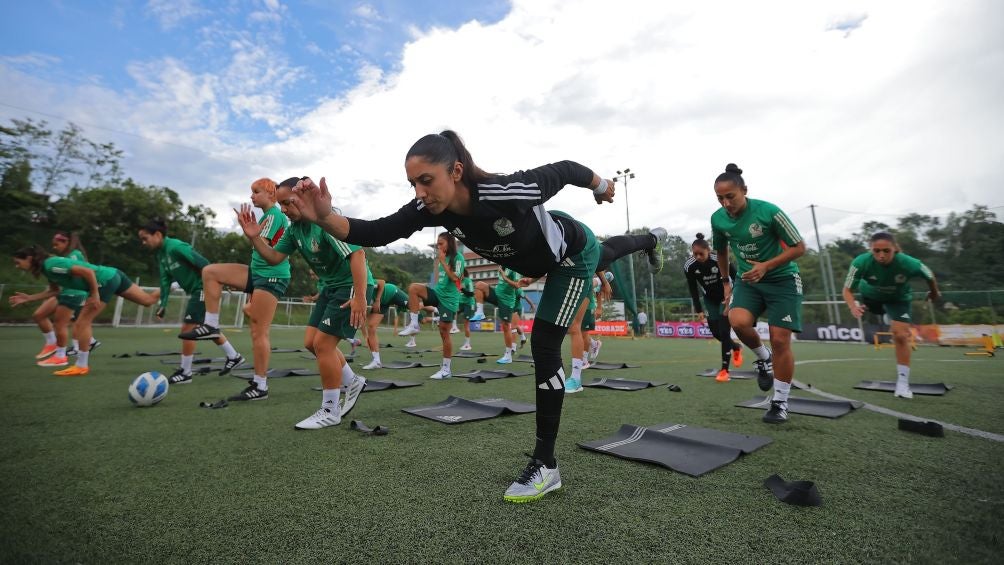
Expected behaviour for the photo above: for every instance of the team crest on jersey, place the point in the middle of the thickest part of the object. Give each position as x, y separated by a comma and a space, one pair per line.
503, 227
314, 246
756, 230
714, 269
900, 279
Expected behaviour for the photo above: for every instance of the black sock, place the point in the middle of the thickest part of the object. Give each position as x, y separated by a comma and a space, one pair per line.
545, 344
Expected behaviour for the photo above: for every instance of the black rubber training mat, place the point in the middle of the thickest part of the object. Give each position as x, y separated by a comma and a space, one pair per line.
373, 385
456, 410
407, 364
807, 406
933, 429
206, 369
148, 354
612, 366
195, 361
523, 358
621, 384
492, 374
930, 389
742, 442
675, 450
278, 373
288, 350
737, 374
472, 354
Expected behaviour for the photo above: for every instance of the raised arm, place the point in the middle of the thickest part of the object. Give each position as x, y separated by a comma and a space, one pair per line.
252, 231
20, 297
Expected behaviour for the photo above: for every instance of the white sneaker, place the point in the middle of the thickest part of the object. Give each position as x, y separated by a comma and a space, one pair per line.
903, 391
594, 349
478, 316
408, 330
466, 347
586, 365
441, 374
411, 343
522, 341
374, 364
504, 360
352, 395
320, 419
534, 482
454, 330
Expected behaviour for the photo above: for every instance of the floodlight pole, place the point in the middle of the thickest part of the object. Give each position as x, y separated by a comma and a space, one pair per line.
627, 174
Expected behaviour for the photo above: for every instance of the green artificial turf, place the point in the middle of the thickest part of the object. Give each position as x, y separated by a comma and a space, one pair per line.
89, 478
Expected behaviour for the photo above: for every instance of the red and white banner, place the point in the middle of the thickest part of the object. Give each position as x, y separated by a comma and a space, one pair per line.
610, 327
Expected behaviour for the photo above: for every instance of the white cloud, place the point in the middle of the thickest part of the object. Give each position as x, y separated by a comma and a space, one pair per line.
367, 11
169, 13
27, 60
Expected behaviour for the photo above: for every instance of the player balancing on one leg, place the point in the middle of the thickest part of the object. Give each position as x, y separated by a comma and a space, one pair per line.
179, 262
466, 308
340, 308
501, 218
55, 351
582, 324
518, 311
502, 295
766, 244
386, 295
265, 283
445, 295
702, 271
101, 283
882, 275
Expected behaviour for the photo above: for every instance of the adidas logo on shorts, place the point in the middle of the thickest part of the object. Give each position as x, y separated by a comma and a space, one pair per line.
787, 318
326, 321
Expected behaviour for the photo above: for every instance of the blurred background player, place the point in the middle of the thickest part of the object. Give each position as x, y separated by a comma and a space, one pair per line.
703, 273
386, 295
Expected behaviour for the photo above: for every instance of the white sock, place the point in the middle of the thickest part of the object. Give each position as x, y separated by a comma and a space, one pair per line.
50, 338
413, 316
186, 363
507, 354
348, 377
902, 374
76, 345
446, 364
261, 382
329, 398
82, 358
480, 308
781, 390
577, 368
60, 352
467, 341
376, 356
762, 353
212, 319
592, 343
585, 359
454, 326
228, 350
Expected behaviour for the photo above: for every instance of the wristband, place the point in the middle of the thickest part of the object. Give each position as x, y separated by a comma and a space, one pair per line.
601, 188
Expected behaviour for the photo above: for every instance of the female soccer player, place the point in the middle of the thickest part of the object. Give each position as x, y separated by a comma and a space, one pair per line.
55, 352
578, 332
179, 262
466, 309
386, 295
502, 218
883, 276
450, 267
768, 282
340, 308
99, 282
701, 270
503, 295
264, 282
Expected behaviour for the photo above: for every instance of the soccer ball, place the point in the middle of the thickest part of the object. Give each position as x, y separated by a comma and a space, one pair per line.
148, 389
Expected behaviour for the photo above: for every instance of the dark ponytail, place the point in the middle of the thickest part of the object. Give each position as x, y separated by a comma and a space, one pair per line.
451, 246
446, 148
701, 242
732, 174
37, 255
155, 225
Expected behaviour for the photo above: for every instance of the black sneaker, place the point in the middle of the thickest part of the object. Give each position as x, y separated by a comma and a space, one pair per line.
252, 392
765, 373
655, 255
232, 364
180, 378
94, 345
71, 351
200, 332
777, 413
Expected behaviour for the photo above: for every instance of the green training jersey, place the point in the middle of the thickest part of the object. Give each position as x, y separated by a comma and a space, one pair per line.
886, 282
178, 261
507, 294
467, 285
273, 224
756, 235
76, 255
57, 271
446, 289
327, 257
389, 290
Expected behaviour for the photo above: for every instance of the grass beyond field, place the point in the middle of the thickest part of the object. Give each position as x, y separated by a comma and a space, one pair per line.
89, 478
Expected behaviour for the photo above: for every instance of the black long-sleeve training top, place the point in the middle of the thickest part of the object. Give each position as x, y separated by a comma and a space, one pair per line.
508, 223
707, 276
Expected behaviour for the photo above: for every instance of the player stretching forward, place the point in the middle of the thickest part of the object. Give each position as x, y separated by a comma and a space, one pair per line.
501, 218
702, 271
341, 304
768, 282
386, 295
64, 245
882, 274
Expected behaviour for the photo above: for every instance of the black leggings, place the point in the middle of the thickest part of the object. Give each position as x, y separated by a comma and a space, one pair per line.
621, 245
722, 331
549, 376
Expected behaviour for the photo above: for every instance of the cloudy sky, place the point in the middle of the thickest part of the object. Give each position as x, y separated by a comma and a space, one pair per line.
866, 109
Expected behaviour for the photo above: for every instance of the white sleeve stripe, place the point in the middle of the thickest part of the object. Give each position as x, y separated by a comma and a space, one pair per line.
524, 185
511, 191
510, 197
849, 281
927, 272
788, 227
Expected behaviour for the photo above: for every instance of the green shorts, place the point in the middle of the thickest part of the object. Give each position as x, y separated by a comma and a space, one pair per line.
276, 286
467, 310
780, 300
589, 321
898, 310
568, 283
400, 300
115, 286
328, 316
72, 300
505, 310
195, 312
446, 314
712, 309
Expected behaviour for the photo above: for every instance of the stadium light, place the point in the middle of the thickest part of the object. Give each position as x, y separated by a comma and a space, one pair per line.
625, 175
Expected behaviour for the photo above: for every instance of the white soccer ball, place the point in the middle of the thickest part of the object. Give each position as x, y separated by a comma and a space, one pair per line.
148, 389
